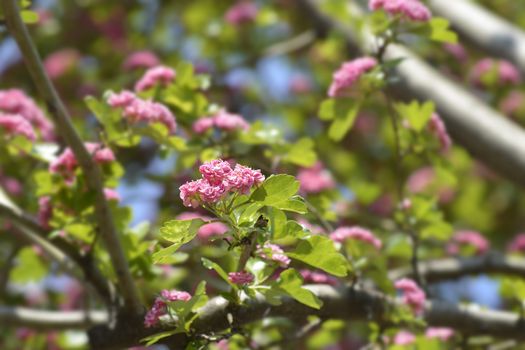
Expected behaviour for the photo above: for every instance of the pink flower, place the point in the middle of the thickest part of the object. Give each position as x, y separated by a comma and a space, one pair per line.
242, 12
216, 171
122, 99
222, 120
240, 278
456, 50
318, 277
45, 212
358, 233
111, 194
15, 101
408, 9
443, 334
315, 179
413, 296
15, 124
349, 73
470, 238
438, 128
242, 179
60, 62
517, 244
404, 338
159, 307
207, 231
159, 75
275, 254
506, 72
11, 185
513, 103
140, 59
148, 111
222, 345
66, 163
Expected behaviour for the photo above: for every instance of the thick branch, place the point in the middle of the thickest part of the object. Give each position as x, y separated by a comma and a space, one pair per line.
50, 320
487, 134
451, 268
345, 303
91, 171
484, 29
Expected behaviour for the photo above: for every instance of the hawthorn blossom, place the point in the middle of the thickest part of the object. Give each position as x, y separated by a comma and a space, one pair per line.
469, 238
141, 59
275, 254
60, 62
66, 163
513, 103
438, 128
442, 333
45, 211
11, 185
517, 244
242, 12
316, 277
456, 50
348, 74
158, 75
222, 120
137, 110
404, 338
159, 307
111, 194
506, 72
355, 232
413, 296
315, 179
219, 180
206, 231
412, 10
15, 101
15, 124
240, 278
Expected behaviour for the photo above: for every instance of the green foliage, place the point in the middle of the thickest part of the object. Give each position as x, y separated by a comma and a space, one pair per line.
417, 114
29, 267
279, 191
343, 113
178, 232
290, 282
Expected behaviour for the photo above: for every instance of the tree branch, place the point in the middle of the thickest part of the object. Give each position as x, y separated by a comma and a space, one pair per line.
487, 134
452, 268
344, 303
484, 29
50, 320
92, 173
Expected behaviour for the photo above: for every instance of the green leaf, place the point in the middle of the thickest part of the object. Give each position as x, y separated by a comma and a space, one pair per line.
278, 191
28, 268
210, 265
29, 17
290, 282
417, 114
178, 232
152, 339
320, 252
302, 153
330, 108
343, 122
440, 31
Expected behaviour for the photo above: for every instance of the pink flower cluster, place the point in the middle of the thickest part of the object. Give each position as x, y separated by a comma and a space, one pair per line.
137, 110
404, 338
456, 50
506, 72
412, 10
15, 101
207, 231
274, 253
158, 75
315, 277
159, 307
413, 296
60, 62
315, 179
111, 194
15, 124
140, 59
442, 333
438, 128
221, 120
355, 232
66, 163
517, 244
348, 74
240, 278
219, 180
45, 211
470, 238
242, 12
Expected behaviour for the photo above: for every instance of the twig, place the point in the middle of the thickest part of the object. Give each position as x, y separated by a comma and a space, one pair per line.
92, 173
6, 269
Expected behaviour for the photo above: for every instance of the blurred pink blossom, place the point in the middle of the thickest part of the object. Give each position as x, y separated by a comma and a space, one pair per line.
413, 296
60, 62
443, 334
506, 72
242, 12
240, 278
315, 179
348, 74
358, 233
158, 75
412, 10
404, 338
15, 124
469, 238
141, 59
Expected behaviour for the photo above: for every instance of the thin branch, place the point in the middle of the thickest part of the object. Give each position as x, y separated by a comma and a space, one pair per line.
451, 268
343, 303
488, 135
92, 173
50, 320
291, 45
484, 29
6, 269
